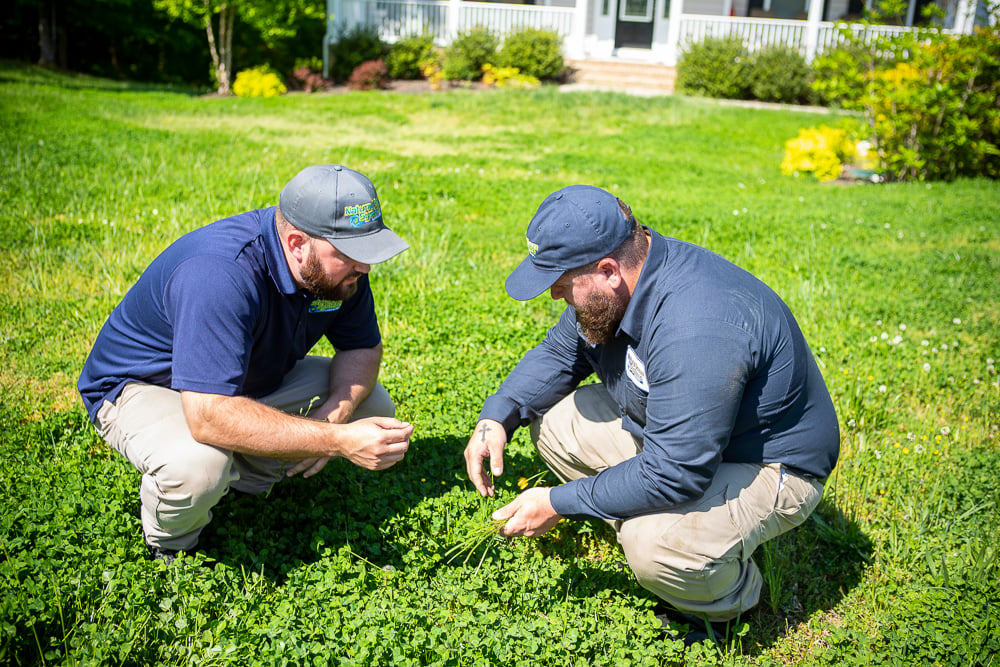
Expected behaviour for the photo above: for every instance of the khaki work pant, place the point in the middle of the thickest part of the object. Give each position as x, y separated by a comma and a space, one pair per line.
695, 556
183, 479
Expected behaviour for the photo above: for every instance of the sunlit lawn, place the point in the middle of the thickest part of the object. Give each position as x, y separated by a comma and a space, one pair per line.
895, 287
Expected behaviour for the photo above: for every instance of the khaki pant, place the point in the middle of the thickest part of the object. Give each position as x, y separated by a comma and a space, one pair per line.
695, 556
183, 479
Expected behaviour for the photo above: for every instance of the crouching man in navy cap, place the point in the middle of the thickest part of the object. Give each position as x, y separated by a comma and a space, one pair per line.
200, 376
711, 431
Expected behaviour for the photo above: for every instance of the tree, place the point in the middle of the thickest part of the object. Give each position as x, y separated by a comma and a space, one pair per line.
274, 20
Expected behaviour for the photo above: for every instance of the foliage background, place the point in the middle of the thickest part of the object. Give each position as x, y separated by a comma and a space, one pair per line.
894, 286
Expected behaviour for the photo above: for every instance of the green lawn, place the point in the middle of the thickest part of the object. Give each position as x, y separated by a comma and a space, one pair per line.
895, 286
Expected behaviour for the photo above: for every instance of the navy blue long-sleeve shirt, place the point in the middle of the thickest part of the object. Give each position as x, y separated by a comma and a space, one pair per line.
708, 365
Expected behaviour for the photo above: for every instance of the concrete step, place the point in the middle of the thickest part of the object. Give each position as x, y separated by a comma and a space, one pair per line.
623, 75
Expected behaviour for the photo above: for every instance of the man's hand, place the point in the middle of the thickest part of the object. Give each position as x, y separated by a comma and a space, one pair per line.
487, 442
375, 443
529, 515
310, 466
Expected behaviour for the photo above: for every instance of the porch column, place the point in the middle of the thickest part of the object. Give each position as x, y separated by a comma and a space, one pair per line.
454, 11
812, 28
334, 14
577, 35
965, 16
673, 51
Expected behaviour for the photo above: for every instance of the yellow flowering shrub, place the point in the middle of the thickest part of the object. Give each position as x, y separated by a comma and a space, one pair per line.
258, 82
507, 77
822, 151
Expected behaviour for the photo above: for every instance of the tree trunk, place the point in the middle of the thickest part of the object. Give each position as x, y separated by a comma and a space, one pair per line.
219, 60
47, 33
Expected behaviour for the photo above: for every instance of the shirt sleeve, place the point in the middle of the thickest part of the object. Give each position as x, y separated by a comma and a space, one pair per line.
696, 382
212, 308
547, 373
355, 325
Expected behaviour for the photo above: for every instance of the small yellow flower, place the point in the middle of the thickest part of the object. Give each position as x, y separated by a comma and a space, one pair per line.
522, 483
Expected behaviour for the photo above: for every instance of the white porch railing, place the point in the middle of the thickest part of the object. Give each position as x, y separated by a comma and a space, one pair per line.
757, 33
444, 19
395, 19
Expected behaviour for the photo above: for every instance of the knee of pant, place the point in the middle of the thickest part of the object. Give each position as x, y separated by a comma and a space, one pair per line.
202, 472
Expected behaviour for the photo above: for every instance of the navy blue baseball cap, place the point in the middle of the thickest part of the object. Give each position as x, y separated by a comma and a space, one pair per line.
573, 227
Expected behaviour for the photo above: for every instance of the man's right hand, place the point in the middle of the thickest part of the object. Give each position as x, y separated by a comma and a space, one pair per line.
375, 443
487, 442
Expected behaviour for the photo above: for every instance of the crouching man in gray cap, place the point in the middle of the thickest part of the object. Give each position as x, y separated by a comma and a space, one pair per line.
711, 430
201, 379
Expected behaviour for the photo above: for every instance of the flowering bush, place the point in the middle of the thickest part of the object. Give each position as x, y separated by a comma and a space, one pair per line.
258, 82
822, 151
507, 77
929, 100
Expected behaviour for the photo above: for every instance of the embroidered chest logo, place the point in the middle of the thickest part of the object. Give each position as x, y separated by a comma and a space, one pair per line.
324, 306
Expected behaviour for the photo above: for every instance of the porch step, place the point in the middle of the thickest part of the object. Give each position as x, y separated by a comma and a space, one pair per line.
622, 75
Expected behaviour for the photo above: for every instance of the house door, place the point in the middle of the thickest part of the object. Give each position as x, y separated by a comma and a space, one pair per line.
634, 25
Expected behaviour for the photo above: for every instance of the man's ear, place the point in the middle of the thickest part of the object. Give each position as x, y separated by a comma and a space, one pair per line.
612, 272
297, 243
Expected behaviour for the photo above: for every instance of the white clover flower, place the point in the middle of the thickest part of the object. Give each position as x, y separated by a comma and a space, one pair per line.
897, 340
918, 449
873, 339
884, 335
882, 388
902, 327
736, 211
878, 454
956, 321
925, 342
945, 430
155, 212
927, 367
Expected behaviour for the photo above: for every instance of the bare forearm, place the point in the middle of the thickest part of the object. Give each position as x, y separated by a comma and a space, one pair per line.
247, 426
353, 374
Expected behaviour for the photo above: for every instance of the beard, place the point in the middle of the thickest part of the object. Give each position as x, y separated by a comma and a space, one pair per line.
599, 317
317, 284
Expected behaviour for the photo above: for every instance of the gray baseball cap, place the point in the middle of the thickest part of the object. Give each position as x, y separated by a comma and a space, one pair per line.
340, 205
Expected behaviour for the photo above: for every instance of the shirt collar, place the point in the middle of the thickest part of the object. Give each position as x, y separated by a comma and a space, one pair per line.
274, 254
635, 313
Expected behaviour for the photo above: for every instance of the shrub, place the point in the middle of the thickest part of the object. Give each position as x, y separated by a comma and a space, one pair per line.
931, 104
465, 57
536, 53
716, 67
308, 75
405, 56
258, 82
369, 75
839, 75
359, 44
822, 151
507, 77
780, 74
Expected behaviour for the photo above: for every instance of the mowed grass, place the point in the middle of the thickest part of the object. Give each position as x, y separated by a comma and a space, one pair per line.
895, 287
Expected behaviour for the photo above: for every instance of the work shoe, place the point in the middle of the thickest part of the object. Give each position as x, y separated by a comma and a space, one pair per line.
689, 628
159, 553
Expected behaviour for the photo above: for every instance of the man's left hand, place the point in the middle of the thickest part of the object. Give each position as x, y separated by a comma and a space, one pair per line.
310, 466
529, 515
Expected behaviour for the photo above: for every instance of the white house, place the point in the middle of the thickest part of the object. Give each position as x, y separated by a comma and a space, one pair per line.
653, 31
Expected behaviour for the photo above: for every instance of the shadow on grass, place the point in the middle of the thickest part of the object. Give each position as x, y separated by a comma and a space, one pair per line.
342, 505
19, 72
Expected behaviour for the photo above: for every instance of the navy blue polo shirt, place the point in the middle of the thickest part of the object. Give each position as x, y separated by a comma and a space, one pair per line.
218, 312
708, 365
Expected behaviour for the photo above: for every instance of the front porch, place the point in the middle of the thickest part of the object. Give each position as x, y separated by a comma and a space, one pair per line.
654, 31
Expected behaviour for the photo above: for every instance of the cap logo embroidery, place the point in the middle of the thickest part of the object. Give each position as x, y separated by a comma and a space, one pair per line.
532, 247
362, 214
